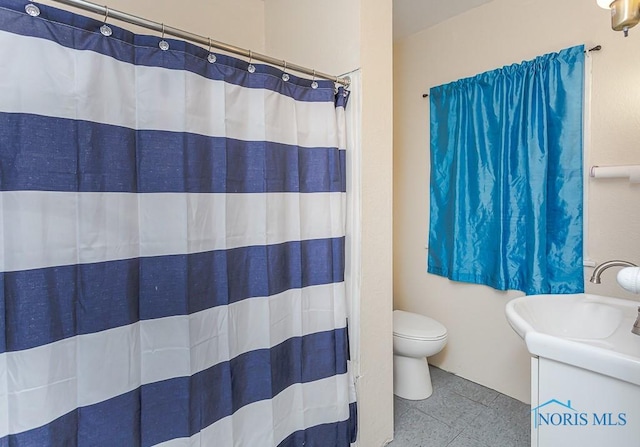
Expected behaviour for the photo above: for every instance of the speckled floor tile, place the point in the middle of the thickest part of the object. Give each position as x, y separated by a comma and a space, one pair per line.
496, 428
473, 391
416, 429
441, 377
511, 406
451, 408
464, 441
461, 413
400, 407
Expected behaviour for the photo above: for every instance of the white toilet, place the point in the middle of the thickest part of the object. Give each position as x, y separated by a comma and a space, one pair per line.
415, 337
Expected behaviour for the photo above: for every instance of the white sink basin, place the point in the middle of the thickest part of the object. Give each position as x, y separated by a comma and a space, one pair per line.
589, 331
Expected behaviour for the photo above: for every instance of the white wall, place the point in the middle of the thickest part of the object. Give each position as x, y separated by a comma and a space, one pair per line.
482, 347
236, 22
338, 36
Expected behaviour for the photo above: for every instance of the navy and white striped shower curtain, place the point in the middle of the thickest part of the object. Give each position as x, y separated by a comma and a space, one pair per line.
172, 240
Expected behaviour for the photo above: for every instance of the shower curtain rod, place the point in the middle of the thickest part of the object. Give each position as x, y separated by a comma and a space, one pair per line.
181, 34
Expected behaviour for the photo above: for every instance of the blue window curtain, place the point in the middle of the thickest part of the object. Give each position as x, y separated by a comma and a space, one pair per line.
506, 176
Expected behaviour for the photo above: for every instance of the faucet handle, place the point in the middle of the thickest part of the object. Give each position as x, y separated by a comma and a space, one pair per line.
629, 279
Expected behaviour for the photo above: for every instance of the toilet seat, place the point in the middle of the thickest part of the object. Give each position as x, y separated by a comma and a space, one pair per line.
417, 327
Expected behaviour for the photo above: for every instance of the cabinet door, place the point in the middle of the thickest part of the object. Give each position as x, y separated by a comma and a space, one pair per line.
575, 407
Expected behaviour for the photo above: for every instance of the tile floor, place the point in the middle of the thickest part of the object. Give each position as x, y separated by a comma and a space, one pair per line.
461, 413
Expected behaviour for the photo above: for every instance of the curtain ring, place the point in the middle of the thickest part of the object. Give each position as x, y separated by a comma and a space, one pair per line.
251, 68
105, 29
163, 44
285, 75
314, 84
32, 10
211, 57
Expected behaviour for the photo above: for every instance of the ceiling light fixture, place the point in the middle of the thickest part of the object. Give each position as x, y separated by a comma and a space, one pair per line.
625, 14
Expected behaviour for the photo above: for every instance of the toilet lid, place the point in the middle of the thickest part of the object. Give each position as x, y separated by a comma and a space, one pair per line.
416, 326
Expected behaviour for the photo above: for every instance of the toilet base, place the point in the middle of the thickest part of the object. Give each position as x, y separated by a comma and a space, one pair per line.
411, 378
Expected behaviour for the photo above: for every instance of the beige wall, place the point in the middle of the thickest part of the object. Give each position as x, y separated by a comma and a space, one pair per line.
482, 347
376, 383
338, 36
313, 34
236, 22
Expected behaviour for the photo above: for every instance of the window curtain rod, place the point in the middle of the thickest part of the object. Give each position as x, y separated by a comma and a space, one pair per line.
596, 48
181, 34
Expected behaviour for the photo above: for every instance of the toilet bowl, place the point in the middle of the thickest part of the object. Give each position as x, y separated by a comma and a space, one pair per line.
415, 337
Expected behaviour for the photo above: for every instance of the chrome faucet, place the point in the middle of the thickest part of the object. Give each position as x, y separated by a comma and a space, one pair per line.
595, 278
636, 326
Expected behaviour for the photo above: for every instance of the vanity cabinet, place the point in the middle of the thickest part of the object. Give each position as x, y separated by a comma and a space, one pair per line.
572, 406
